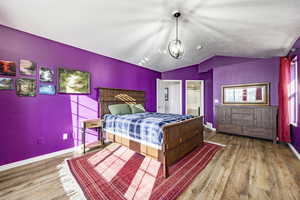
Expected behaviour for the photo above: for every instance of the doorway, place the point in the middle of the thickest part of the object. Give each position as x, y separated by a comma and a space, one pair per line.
194, 95
169, 96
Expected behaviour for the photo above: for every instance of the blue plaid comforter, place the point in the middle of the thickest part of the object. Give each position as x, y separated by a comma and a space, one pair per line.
145, 128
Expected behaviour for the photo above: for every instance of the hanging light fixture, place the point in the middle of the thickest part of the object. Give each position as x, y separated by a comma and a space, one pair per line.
175, 46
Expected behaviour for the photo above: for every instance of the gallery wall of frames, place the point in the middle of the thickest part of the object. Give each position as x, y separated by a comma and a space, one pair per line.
28, 79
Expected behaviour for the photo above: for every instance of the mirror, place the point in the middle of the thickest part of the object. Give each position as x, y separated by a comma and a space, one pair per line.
246, 94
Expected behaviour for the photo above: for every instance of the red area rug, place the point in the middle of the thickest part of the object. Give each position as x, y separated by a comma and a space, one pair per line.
118, 173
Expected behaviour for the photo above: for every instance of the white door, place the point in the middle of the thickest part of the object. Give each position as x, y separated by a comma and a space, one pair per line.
173, 92
194, 97
169, 96
160, 101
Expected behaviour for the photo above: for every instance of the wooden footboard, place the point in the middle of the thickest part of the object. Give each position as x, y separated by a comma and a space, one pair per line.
179, 139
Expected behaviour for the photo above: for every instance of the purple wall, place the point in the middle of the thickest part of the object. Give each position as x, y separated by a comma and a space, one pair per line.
249, 71
32, 126
191, 73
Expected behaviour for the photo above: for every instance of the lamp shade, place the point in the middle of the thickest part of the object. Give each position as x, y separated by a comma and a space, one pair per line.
176, 49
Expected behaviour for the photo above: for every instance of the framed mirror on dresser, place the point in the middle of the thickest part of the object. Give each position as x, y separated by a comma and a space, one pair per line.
246, 94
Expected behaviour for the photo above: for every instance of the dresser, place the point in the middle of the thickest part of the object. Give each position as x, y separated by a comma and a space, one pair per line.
254, 121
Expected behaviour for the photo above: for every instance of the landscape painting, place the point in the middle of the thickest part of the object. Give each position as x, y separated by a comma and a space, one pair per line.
7, 68
26, 87
27, 67
47, 89
46, 75
73, 81
6, 83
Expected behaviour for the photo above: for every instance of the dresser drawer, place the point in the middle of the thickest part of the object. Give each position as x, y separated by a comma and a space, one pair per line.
242, 111
242, 119
229, 128
259, 132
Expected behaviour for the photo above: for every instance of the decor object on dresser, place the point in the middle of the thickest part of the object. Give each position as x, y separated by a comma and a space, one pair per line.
27, 67
46, 75
176, 139
73, 81
246, 94
26, 87
6, 83
47, 89
117, 172
254, 121
7, 68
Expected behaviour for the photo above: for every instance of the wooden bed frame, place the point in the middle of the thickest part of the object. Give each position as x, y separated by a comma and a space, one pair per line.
179, 138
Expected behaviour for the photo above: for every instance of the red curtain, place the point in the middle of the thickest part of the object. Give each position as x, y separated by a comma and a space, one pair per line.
283, 94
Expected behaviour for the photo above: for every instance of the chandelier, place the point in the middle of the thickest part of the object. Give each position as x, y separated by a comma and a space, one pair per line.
175, 46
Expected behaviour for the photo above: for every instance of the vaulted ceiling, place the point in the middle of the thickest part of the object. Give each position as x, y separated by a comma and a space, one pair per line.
138, 31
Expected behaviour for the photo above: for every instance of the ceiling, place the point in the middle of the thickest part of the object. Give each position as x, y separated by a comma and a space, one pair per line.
138, 31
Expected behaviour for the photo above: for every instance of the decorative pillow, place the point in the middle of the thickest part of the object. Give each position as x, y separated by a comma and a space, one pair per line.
119, 109
137, 108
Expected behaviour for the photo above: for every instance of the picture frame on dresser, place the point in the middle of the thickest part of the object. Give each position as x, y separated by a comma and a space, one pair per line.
246, 94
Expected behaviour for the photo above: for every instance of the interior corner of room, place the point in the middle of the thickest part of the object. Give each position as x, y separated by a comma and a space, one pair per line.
150, 100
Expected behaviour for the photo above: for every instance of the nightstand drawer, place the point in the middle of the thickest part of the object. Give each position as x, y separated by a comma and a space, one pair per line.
93, 123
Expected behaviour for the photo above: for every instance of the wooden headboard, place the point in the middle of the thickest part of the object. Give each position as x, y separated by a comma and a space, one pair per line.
110, 96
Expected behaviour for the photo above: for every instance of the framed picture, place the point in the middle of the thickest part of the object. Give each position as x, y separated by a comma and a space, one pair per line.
166, 94
73, 81
47, 89
27, 67
7, 68
6, 83
246, 94
46, 75
26, 87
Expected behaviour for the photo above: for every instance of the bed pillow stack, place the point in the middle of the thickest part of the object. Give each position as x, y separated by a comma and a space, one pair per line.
124, 109
119, 109
137, 108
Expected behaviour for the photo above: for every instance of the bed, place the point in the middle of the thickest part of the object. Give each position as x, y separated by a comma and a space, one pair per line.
177, 137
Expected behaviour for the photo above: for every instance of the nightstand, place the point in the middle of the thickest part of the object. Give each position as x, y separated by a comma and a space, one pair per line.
92, 123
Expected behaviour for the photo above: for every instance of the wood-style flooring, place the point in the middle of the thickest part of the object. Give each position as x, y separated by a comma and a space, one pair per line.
246, 168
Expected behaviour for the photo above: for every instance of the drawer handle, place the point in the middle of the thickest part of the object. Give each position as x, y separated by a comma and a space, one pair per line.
93, 124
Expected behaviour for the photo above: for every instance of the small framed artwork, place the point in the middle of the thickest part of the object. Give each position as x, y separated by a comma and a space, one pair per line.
7, 68
47, 89
26, 87
166, 94
73, 81
246, 94
27, 67
6, 83
46, 75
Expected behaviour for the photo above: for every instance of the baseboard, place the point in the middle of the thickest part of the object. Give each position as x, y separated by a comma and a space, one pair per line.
294, 151
209, 126
35, 159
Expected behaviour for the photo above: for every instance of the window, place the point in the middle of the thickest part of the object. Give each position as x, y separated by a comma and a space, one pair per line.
293, 92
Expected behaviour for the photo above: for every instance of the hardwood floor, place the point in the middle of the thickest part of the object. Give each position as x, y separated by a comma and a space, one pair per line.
245, 169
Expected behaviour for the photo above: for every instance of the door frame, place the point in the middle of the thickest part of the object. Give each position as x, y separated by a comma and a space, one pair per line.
202, 96
180, 92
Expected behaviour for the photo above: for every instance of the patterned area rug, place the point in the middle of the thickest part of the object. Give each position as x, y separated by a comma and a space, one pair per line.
117, 172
